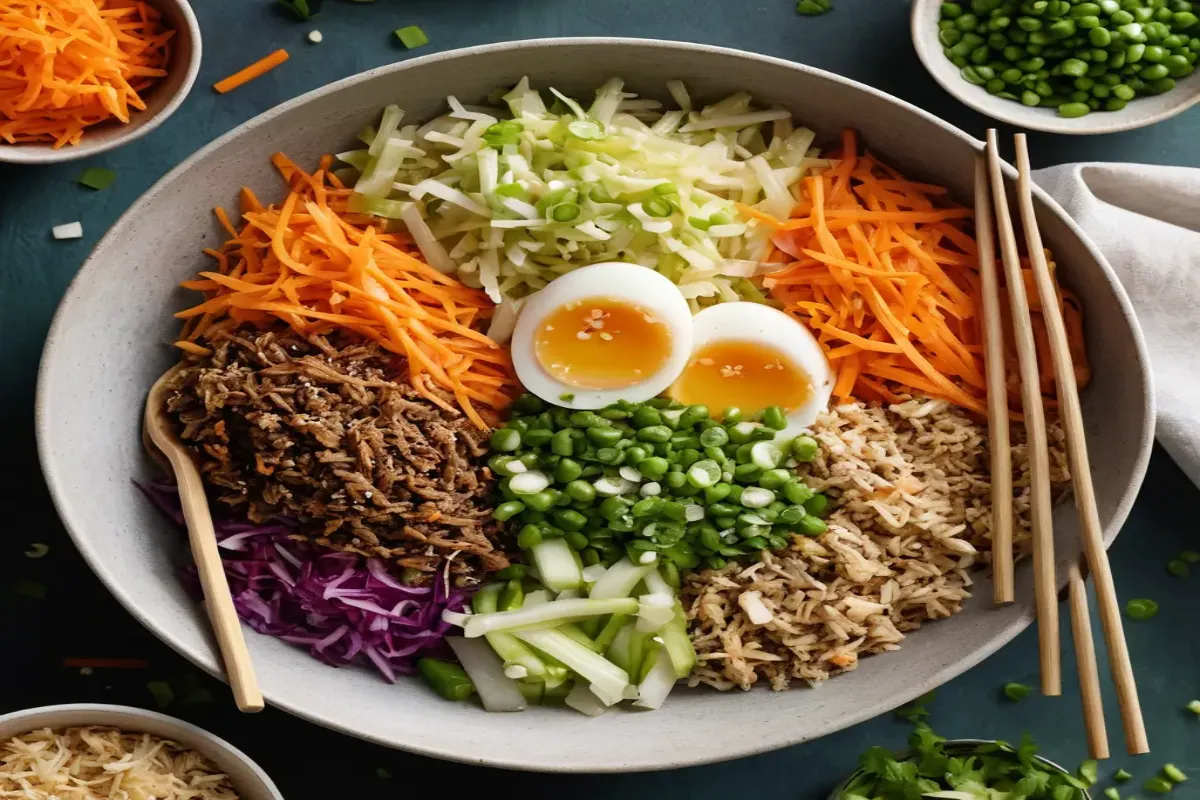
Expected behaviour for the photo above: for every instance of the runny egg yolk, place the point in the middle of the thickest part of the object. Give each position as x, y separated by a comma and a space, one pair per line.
602, 343
745, 375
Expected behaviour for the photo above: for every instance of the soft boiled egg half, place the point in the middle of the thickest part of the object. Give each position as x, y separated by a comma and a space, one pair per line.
602, 333
750, 356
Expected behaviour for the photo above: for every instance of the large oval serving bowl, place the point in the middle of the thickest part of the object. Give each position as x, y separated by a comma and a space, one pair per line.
109, 340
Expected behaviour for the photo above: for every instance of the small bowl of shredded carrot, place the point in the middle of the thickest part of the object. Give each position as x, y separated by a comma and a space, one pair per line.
79, 77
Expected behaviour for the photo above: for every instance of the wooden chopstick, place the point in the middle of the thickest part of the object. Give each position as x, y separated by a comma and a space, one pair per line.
1085, 660
1044, 580
1081, 474
999, 443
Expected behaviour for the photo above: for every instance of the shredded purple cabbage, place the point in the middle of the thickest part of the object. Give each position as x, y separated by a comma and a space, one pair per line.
341, 606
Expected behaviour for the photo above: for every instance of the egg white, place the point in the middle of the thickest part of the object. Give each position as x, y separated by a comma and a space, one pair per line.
760, 324
630, 283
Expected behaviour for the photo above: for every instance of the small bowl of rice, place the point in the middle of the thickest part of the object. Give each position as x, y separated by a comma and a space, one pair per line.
92, 751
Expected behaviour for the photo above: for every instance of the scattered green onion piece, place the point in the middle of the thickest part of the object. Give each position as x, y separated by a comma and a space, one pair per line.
98, 177
1088, 771
412, 36
162, 692
1178, 567
446, 678
1122, 775
813, 8
1016, 691
1158, 785
1141, 609
1194, 707
1190, 556
1173, 773
1112, 793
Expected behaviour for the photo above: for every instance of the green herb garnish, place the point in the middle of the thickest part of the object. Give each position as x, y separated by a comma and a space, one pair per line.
1178, 567
31, 589
812, 8
1112, 794
1088, 772
1016, 691
412, 36
97, 178
303, 9
1173, 773
937, 769
1158, 785
566, 397
1141, 609
163, 694
1122, 775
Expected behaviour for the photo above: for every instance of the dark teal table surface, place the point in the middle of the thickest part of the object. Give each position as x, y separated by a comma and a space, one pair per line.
863, 39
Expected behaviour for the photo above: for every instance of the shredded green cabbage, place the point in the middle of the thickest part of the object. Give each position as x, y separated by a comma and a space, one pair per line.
509, 199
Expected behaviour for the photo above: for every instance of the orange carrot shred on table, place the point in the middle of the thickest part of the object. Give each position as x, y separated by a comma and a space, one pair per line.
884, 271
66, 65
303, 264
255, 70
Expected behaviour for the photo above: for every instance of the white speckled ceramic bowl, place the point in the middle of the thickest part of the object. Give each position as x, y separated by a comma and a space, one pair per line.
161, 99
108, 344
247, 777
1137, 114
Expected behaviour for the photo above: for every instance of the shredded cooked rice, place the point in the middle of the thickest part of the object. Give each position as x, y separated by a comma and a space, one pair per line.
95, 762
911, 493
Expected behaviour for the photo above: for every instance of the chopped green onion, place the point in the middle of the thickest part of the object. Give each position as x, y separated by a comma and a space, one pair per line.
1178, 567
1112, 793
1016, 691
1158, 785
1190, 556
163, 694
32, 589
566, 397
1173, 773
1141, 609
412, 36
812, 8
657, 207
301, 8
1088, 771
564, 212
1122, 775
97, 178
585, 129
1194, 707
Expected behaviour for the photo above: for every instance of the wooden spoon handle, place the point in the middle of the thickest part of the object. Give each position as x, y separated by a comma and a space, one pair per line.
217, 598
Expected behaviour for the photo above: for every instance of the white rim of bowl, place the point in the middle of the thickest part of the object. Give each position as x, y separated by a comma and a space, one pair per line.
40, 154
207, 659
84, 710
926, 53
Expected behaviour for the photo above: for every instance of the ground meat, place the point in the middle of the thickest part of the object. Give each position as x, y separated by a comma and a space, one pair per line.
329, 434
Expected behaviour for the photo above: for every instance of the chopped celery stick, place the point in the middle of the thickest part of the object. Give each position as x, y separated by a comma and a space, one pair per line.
654, 611
576, 633
604, 639
97, 178
656, 585
533, 691
678, 644
536, 598
355, 158
377, 206
649, 658
497, 691
620, 579
582, 699
412, 36
653, 691
558, 611
593, 667
556, 565
627, 647
507, 646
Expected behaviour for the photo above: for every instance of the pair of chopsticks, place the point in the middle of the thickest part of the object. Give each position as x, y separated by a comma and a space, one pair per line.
990, 195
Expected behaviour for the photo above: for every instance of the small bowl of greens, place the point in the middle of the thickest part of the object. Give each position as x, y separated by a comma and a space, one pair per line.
1064, 66
963, 769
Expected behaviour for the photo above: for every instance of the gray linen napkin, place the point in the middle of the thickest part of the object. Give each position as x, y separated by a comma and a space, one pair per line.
1146, 221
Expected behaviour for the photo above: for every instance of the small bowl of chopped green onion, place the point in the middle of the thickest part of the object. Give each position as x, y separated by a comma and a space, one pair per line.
1064, 66
963, 769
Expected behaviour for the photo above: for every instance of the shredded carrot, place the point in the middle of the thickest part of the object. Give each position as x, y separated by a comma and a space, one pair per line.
255, 70
888, 280
66, 65
303, 262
